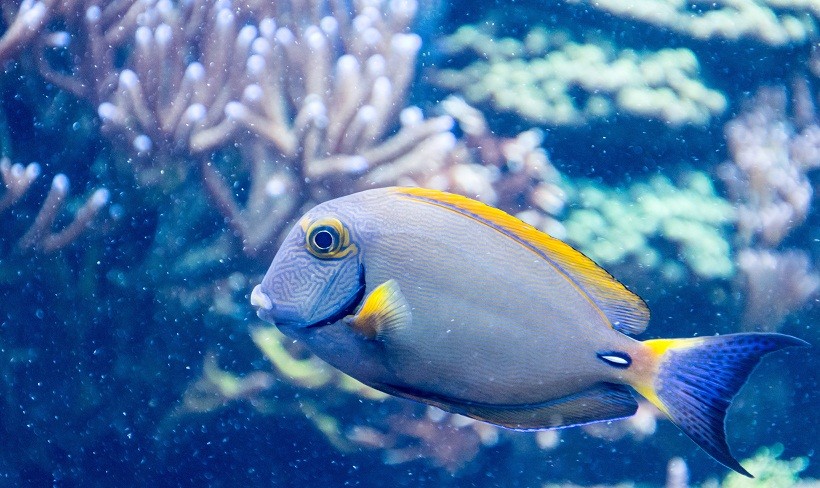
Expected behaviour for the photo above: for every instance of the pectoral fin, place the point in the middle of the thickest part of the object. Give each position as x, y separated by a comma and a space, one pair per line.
384, 309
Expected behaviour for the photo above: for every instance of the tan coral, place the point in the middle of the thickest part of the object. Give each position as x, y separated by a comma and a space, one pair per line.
767, 176
41, 236
309, 95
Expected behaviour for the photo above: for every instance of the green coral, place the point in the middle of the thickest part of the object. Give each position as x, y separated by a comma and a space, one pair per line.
772, 22
769, 471
611, 226
549, 79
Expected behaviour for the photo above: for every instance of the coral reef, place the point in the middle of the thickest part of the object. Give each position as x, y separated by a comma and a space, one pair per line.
774, 22
548, 79
24, 22
41, 235
127, 345
612, 226
768, 179
770, 471
513, 173
767, 175
449, 441
182, 95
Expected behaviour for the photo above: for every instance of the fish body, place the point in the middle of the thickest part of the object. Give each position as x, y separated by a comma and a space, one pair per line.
442, 299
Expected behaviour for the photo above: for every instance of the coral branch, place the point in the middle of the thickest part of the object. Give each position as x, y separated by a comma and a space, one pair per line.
767, 177
40, 237
29, 20
776, 284
17, 179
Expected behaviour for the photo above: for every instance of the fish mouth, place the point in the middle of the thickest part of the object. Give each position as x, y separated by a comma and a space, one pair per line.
260, 300
263, 304
349, 307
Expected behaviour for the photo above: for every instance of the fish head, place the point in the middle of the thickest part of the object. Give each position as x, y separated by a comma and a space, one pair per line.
316, 277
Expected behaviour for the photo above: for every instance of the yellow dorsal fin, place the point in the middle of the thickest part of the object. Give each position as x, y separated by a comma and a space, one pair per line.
625, 311
384, 309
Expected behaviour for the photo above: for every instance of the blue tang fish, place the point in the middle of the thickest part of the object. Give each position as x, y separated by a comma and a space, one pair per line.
445, 300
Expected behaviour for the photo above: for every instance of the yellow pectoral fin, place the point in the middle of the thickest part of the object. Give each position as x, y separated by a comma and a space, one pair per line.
383, 310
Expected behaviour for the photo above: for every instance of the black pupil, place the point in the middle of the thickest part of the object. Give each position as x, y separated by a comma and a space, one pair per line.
323, 240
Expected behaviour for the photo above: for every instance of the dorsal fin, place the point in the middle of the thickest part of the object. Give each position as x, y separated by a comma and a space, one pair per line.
624, 310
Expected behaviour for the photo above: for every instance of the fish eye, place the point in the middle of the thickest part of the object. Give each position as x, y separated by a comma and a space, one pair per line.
323, 240
328, 239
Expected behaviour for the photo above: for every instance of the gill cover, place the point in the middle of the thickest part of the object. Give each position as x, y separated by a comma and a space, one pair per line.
316, 277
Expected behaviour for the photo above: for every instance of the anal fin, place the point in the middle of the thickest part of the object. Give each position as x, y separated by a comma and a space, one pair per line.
602, 402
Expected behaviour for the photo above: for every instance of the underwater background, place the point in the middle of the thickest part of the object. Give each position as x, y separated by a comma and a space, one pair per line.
155, 152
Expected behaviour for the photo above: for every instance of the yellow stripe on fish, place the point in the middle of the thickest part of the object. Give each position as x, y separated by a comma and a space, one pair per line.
625, 311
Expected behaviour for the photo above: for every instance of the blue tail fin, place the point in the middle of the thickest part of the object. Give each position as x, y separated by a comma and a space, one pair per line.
696, 379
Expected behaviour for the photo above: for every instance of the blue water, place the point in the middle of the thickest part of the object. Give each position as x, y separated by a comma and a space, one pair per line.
126, 355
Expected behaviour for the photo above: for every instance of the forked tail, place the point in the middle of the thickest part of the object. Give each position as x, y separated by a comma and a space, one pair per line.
694, 380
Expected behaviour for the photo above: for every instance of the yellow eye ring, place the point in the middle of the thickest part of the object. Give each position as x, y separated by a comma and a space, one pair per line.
328, 239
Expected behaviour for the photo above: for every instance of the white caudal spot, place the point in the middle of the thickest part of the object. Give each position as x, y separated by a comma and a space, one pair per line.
615, 359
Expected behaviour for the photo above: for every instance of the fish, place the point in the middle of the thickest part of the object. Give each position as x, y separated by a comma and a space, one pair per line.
442, 299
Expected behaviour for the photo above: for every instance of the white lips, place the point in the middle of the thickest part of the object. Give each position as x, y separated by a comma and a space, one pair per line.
259, 299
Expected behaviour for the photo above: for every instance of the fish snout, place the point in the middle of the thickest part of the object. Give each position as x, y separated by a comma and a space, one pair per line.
262, 302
